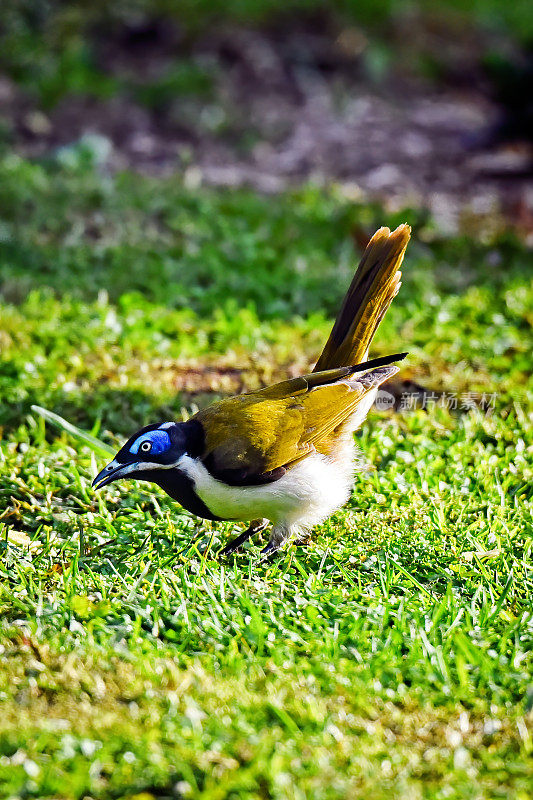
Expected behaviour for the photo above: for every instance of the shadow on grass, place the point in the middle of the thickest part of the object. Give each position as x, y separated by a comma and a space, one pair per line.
80, 233
121, 411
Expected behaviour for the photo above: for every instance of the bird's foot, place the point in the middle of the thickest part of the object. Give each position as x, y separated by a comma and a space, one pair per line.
233, 545
269, 551
279, 536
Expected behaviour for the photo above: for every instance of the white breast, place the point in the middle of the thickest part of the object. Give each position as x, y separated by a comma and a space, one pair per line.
306, 495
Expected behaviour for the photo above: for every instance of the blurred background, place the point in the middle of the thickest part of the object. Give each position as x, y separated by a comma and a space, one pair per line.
425, 103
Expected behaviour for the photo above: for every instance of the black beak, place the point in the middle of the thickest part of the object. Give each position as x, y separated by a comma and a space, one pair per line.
112, 472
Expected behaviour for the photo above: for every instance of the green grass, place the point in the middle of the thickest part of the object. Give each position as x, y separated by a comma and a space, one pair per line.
390, 658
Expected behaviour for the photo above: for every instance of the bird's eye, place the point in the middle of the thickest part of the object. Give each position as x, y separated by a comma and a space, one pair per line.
146, 447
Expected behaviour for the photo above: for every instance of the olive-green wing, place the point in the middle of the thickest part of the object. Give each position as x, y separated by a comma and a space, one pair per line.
254, 438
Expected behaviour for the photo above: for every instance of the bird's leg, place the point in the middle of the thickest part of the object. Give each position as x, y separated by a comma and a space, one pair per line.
279, 535
304, 539
255, 526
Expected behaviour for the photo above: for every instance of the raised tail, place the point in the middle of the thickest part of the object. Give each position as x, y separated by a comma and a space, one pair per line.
372, 290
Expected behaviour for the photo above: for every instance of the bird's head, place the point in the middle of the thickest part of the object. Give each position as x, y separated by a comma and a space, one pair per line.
150, 452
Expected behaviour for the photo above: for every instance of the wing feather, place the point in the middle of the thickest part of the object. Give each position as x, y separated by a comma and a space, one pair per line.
254, 438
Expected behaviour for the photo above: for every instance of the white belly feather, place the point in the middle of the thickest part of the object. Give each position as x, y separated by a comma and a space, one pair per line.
306, 495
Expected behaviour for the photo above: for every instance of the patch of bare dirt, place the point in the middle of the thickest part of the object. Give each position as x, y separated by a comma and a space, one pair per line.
288, 106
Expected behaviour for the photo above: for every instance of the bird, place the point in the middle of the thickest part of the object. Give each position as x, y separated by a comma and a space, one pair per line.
283, 455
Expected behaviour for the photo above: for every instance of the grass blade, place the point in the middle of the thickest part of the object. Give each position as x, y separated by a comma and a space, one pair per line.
411, 578
58, 422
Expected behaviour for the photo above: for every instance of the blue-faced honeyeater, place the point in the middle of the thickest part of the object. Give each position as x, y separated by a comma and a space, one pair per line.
284, 454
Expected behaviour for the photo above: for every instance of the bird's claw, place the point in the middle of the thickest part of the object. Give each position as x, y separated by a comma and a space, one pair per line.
232, 546
269, 551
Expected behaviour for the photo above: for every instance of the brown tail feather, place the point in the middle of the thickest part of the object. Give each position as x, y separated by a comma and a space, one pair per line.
372, 290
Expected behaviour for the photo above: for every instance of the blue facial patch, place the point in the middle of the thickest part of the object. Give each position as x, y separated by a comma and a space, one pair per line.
160, 441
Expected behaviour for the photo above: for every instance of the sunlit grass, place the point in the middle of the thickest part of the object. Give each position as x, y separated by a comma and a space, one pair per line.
391, 657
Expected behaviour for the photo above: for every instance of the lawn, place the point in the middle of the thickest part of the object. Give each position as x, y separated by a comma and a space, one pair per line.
389, 658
